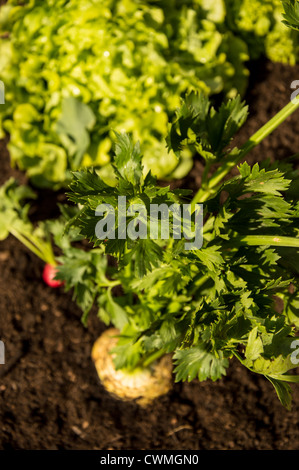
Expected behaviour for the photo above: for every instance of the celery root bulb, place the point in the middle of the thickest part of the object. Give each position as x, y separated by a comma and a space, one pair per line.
142, 385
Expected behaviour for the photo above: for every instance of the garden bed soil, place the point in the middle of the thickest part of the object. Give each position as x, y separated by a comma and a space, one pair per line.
50, 396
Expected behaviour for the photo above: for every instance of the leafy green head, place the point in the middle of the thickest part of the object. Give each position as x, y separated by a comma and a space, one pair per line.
122, 66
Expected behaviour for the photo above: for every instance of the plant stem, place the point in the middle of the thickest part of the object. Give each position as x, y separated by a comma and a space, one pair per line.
44, 253
198, 283
204, 182
153, 357
109, 284
45, 248
234, 159
257, 240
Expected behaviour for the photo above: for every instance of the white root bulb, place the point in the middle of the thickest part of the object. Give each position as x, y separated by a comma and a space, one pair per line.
142, 385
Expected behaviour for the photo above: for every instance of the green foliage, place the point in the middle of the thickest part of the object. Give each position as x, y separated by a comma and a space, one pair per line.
291, 14
72, 128
197, 362
260, 24
89, 190
210, 304
14, 220
83, 271
204, 305
198, 124
75, 71
122, 66
12, 208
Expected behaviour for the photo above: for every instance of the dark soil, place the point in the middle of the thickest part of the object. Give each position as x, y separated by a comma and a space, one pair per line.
50, 397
